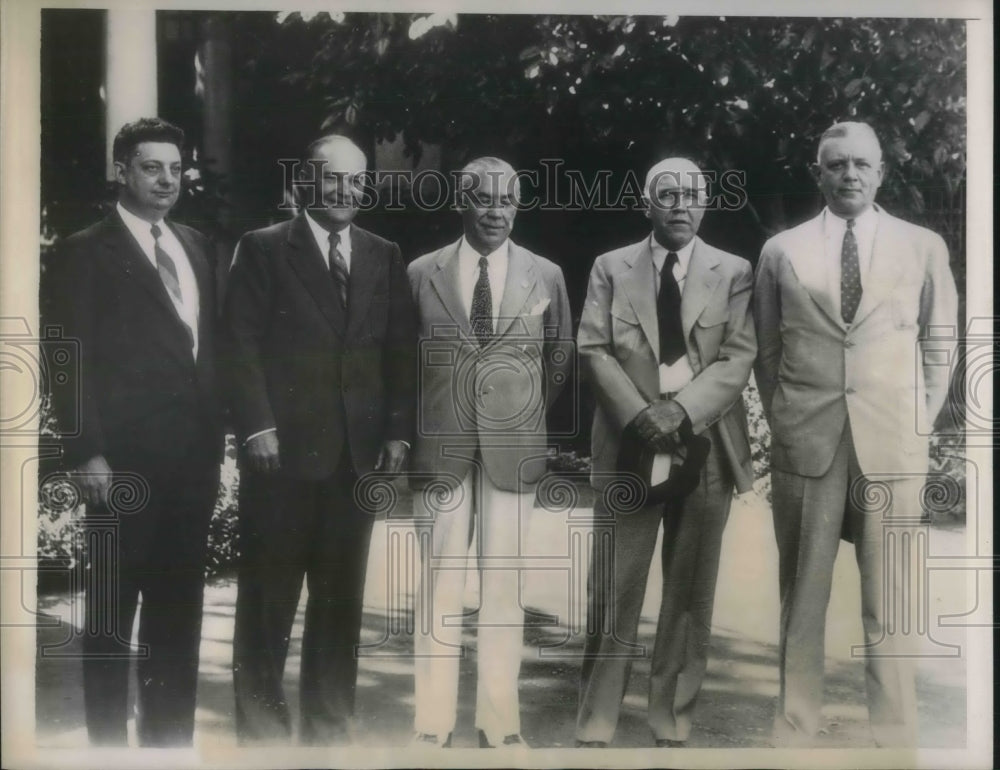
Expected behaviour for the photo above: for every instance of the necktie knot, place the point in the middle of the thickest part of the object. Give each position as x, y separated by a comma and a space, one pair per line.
483, 263
850, 224
156, 231
671, 260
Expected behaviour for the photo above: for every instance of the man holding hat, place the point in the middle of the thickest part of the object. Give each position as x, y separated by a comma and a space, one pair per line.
667, 341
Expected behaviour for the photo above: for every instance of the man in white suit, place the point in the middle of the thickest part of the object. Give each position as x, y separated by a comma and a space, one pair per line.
667, 340
845, 305
494, 324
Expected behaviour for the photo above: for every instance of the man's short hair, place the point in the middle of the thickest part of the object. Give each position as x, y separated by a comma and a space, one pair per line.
319, 141
844, 127
131, 135
486, 167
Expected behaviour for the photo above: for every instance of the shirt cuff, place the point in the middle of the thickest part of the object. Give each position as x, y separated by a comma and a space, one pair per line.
258, 433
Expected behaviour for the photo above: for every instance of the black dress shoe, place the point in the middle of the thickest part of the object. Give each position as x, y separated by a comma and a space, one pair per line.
591, 744
512, 741
669, 743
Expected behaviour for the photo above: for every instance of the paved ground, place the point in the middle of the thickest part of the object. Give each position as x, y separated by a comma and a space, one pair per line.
737, 701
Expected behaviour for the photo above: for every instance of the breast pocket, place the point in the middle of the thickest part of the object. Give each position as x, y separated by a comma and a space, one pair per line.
626, 332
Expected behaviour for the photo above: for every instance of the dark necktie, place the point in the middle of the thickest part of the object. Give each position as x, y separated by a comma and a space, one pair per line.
481, 316
168, 274
850, 275
338, 269
668, 314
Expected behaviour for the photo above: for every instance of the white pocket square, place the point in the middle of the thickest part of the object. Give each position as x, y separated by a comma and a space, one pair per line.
540, 307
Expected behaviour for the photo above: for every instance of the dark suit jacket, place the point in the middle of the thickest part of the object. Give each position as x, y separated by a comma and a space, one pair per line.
295, 363
143, 398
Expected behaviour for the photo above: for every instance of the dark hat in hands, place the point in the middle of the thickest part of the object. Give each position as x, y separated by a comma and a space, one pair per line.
637, 457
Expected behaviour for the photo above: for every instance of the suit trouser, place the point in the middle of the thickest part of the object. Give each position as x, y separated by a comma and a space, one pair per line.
290, 528
501, 520
158, 553
808, 518
692, 539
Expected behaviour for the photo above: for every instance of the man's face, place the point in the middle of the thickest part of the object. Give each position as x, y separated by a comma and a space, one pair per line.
150, 181
676, 202
849, 173
340, 166
488, 209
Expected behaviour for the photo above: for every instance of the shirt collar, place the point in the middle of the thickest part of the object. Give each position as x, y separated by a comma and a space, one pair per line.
466, 252
834, 225
322, 236
660, 254
137, 225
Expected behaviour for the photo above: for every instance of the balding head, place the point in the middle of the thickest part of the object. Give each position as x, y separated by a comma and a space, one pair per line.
336, 168
487, 198
675, 193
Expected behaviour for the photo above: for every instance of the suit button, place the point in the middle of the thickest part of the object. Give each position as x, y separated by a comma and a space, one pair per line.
849, 391
848, 343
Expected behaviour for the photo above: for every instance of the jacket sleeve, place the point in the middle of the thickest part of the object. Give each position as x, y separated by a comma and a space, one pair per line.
767, 319
69, 307
614, 389
400, 355
938, 321
717, 386
245, 320
559, 346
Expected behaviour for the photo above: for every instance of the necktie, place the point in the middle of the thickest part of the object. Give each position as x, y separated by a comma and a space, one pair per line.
338, 269
482, 306
168, 274
850, 275
668, 313
165, 266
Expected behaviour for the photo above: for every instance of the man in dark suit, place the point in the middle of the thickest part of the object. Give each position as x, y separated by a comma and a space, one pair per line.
136, 291
320, 342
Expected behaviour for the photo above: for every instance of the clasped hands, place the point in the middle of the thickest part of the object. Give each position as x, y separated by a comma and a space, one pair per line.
658, 424
264, 456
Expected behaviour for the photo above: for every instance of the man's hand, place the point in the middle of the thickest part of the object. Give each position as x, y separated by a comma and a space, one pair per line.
392, 457
262, 452
93, 479
658, 423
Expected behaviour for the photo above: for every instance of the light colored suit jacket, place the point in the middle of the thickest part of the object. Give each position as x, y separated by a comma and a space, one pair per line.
619, 344
492, 399
888, 372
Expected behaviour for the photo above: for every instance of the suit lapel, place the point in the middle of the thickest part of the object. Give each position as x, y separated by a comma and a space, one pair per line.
307, 262
445, 283
639, 286
699, 285
808, 258
885, 269
128, 255
364, 271
521, 279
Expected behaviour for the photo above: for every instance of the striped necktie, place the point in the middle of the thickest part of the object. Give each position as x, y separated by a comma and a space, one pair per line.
168, 274
338, 269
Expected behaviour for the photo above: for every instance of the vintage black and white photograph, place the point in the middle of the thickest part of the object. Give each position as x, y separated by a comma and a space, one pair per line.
502, 385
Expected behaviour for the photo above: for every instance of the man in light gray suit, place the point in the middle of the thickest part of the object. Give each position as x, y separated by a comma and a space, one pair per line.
846, 307
494, 323
667, 340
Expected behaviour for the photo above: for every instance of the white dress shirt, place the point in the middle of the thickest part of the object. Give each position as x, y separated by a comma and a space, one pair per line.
834, 227
188, 305
468, 274
679, 373
323, 241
